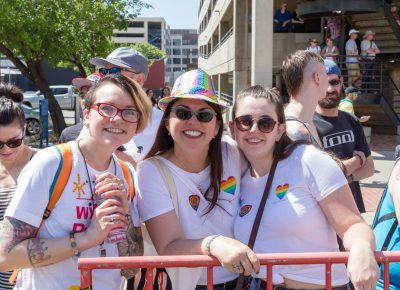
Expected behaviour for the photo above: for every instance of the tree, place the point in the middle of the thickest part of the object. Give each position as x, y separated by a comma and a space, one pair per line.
148, 50
61, 31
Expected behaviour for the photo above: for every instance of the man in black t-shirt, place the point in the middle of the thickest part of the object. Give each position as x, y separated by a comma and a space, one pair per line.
342, 134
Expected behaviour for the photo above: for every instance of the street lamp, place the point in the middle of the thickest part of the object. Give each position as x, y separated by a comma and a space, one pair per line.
9, 75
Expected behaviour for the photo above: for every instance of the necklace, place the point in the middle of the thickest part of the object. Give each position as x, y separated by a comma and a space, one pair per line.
102, 250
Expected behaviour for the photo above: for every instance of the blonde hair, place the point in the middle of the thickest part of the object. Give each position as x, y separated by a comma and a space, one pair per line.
142, 102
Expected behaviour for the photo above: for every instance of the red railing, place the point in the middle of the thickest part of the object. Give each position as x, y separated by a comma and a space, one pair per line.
86, 265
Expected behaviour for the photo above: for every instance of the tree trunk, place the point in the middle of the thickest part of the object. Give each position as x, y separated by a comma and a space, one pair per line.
33, 70
36, 69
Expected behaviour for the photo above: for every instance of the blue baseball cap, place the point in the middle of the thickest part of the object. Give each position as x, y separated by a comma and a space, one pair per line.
332, 68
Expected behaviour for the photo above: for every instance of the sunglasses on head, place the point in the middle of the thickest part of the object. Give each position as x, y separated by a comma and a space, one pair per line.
114, 70
334, 82
12, 144
110, 111
265, 123
184, 113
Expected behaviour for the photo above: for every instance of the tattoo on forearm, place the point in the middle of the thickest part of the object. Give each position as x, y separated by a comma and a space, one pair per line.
13, 232
37, 252
132, 246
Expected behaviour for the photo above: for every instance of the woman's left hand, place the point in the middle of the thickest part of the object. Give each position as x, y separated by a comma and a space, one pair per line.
362, 268
110, 186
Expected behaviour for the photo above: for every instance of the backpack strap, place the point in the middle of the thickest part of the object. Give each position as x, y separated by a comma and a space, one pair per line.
61, 177
128, 175
56, 189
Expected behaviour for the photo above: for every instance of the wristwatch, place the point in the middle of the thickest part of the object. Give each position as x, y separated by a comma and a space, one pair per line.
350, 178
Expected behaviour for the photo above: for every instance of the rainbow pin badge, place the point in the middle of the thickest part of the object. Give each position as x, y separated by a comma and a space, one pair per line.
194, 201
281, 190
245, 210
229, 185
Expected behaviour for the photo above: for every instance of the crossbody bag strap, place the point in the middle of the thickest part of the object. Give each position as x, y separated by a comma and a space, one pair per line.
259, 214
169, 181
263, 201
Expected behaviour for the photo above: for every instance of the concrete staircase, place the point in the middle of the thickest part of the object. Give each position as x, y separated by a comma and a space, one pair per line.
378, 22
379, 122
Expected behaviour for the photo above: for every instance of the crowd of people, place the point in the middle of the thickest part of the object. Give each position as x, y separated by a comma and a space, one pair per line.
169, 165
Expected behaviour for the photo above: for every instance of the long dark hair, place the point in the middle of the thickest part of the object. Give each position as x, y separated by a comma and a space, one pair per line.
10, 109
164, 142
285, 146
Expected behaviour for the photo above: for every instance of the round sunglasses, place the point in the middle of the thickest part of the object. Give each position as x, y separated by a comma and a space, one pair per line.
184, 113
110, 111
265, 123
12, 144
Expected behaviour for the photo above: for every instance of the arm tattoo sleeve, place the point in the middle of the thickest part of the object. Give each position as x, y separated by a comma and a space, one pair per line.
132, 246
37, 252
13, 232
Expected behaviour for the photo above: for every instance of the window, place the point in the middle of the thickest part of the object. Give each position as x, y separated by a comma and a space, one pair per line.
194, 60
176, 61
129, 35
175, 69
136, 24
186, 60
176, 52
176, 42
169, 61
60, 91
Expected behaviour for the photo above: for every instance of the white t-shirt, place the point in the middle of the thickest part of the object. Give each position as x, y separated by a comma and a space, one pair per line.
316, 49
142, 143
73, 212
367, 44
154, 200
351, 45
293, 220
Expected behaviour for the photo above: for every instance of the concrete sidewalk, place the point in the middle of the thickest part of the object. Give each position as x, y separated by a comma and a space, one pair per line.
372, 187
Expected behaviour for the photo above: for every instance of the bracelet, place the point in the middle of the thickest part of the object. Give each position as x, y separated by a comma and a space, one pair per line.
73, 245
208, 244
359, 156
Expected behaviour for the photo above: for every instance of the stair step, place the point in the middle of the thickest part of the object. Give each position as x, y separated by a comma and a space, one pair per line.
387, 43
371, 23
385, 36
367, 16
390, 50
377, 30
384, 130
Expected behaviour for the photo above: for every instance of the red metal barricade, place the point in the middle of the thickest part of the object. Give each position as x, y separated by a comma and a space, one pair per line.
86, 265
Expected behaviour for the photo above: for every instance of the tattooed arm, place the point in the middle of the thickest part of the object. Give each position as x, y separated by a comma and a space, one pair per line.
20, 249
131, 246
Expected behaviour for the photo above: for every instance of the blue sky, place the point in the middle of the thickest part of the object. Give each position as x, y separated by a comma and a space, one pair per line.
179, 14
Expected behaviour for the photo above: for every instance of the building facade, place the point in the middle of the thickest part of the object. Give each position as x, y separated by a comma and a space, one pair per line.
153, 30
237, 44
182, 53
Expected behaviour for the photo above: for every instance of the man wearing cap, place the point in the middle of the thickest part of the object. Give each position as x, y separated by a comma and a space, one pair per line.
132, 64
369, 50
353, 67
83, 85
342, 134
347, 104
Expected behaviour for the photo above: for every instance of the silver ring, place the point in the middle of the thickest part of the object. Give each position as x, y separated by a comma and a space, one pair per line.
112, 219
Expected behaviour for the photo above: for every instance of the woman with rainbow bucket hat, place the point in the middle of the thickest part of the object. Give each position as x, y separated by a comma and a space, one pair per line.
205, 171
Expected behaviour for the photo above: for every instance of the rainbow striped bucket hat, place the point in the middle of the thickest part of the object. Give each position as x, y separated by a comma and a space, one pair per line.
194, 84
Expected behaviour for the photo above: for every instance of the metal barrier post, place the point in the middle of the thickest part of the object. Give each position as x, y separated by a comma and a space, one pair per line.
86, 278
149, 277
386, 278
210, 278
328, 276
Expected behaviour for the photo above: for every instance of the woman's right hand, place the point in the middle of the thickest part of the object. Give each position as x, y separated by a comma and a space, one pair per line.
106, 216
234, 255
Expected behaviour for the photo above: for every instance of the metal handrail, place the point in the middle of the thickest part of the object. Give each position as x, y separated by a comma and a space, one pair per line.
226, 35
226, 98
218, 45
86, 265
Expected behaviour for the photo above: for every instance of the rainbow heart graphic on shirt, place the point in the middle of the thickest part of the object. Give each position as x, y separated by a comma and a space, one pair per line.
281, 190
229, 185
194, 201
245, 210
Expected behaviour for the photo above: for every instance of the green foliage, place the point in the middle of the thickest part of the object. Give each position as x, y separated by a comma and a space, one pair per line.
148, 50
63, 30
